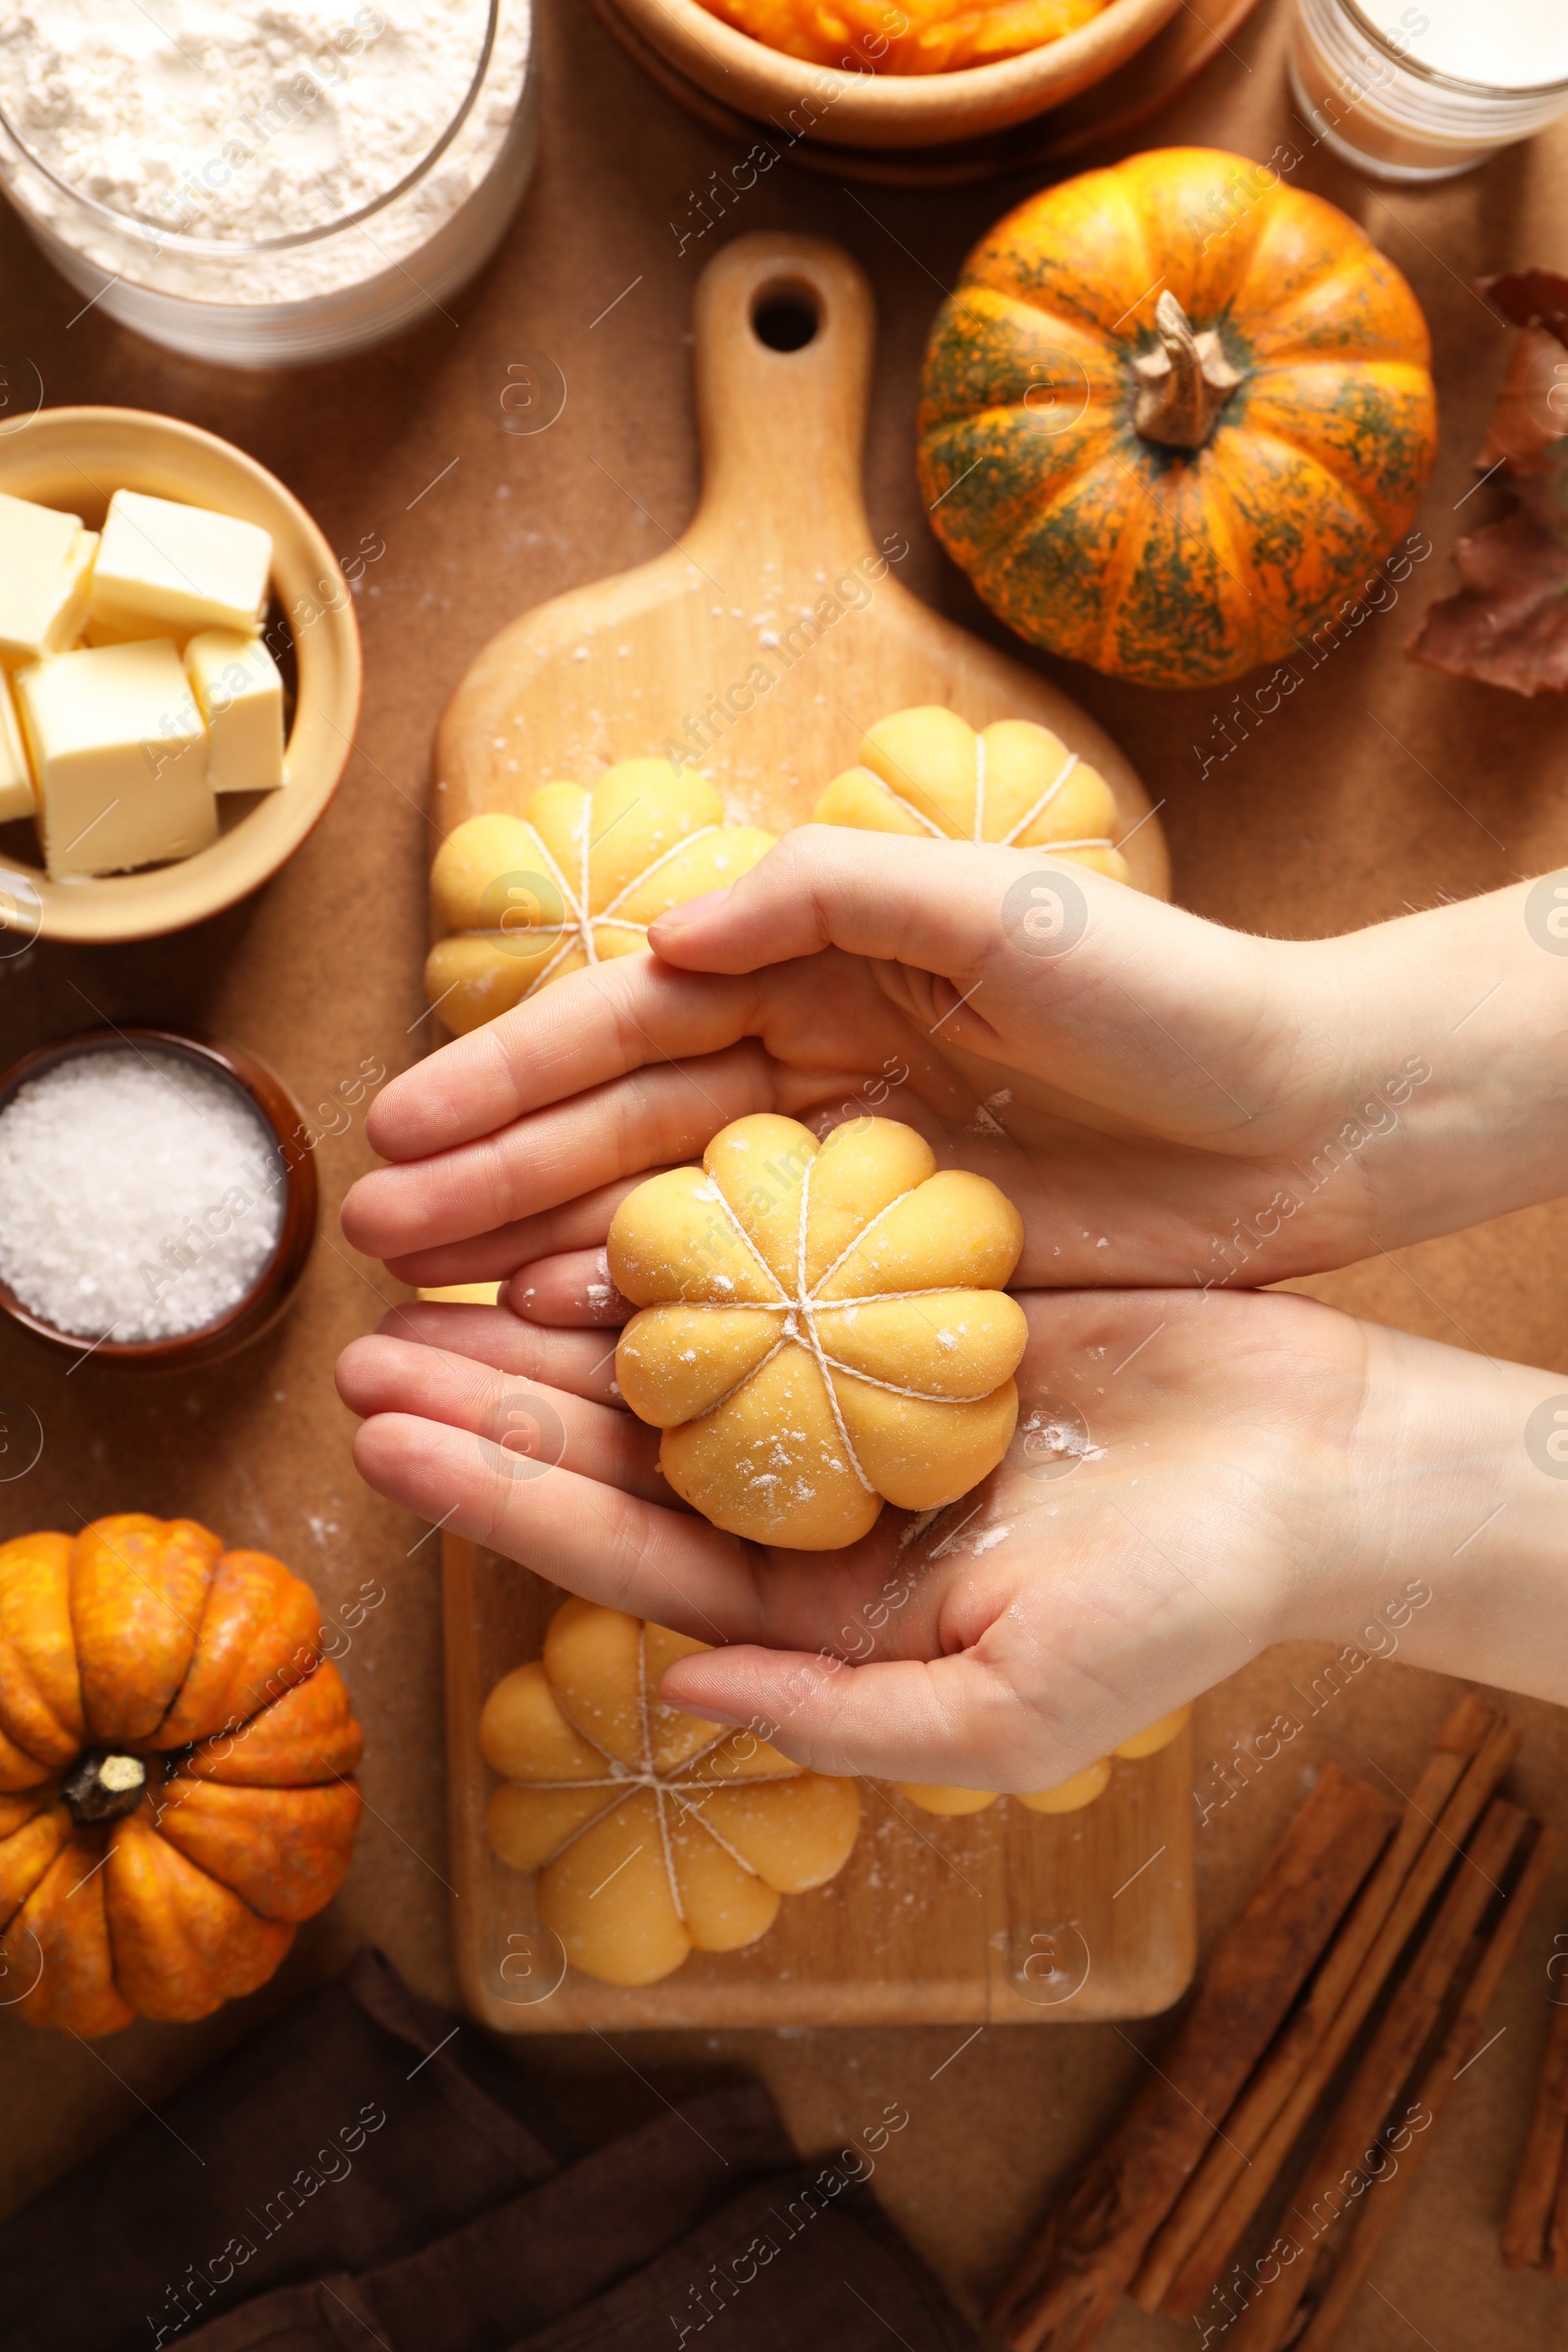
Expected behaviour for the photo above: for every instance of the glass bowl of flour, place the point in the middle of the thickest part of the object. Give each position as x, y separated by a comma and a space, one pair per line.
265, 183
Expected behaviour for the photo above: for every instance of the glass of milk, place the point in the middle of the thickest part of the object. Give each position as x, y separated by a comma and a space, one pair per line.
1426, 91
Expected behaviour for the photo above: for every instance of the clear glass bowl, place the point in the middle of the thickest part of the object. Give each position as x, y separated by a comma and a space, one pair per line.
324, 291
1375, 102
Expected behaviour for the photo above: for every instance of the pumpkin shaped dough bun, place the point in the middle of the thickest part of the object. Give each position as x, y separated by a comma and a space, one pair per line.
824, 1326
927, 772
576, 879
654, 1833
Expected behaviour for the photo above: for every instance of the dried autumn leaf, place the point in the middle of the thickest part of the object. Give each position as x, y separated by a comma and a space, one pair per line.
1508, 625
1544, 493
1531, 416
1530, 298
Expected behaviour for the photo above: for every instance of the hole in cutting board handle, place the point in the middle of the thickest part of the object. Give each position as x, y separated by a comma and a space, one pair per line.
786, 316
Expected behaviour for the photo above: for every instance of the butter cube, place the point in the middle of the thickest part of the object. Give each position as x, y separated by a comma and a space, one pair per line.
240, 694
16, 778
120, 755
100, 632
45, 579
168, 570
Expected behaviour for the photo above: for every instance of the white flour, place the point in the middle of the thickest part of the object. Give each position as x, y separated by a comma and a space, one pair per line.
244, 120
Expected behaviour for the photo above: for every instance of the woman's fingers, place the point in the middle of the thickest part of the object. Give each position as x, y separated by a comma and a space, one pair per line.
579, 1224
600, 1026
573, 1291
580, 1031
656, 1117
582, 1362
590, 1540
690, 1053
1021, 959
951, 1720
517, 1422
935, 905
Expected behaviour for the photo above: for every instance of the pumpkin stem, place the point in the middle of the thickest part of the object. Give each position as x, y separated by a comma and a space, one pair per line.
102, 1785
1183, 386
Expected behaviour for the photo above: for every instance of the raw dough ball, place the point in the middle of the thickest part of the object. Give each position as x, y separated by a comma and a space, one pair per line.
1070, 1795
927, 771
1159, 1734
653, 1831
824, 1326
574, 880
931, 1797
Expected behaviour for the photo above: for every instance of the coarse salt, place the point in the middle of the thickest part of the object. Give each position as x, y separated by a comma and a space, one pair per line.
140, 1195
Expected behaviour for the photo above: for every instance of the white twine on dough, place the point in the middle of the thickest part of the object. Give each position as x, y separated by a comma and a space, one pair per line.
627, 1780
808, 1305
579, 929
1010, 839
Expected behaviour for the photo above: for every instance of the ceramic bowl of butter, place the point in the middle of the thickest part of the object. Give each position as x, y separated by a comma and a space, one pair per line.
179, 675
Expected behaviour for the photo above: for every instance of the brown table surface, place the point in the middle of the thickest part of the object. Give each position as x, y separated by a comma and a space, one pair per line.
1378, 787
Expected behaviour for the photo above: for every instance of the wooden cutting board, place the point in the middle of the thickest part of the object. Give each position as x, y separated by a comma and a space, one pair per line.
779, 585
1008, 1917
779, 596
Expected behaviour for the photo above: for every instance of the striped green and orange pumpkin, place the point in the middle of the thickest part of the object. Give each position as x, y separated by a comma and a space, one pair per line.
1172, 413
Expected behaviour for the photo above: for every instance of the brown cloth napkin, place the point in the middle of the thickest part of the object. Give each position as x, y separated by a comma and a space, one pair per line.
460, 2223
644, 2244
278, 2150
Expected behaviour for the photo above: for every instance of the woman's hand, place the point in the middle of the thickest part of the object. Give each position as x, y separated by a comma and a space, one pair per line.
1192, 1478
1166, 1101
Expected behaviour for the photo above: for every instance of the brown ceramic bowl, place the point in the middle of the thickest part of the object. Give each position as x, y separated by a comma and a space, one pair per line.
273, 1289
890, 110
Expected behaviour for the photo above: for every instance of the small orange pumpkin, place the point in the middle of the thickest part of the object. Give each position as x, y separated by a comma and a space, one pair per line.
175, 1755
1171, 413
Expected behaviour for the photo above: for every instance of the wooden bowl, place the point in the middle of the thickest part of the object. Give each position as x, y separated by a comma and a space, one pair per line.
273, 1289
74, 458
863, 108
1075, 135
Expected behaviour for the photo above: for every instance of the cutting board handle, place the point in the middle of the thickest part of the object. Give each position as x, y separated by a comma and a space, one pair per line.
785, 327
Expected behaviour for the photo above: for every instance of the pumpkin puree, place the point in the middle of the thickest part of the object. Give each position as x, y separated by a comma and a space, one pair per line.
905, 36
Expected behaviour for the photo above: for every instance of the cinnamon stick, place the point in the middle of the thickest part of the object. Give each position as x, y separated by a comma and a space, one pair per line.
1535, 2191
1432, 2092
1343, 2157
1243, 2187
1073, 2275
1169, 2271
1557, 2230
